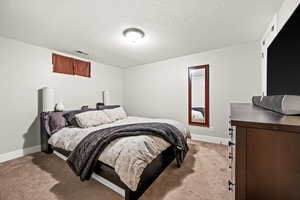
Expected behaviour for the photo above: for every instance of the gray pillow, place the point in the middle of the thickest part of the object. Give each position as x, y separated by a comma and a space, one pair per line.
56, 122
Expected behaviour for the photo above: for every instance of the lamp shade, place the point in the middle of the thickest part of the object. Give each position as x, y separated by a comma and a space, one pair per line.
106, 97
48, 99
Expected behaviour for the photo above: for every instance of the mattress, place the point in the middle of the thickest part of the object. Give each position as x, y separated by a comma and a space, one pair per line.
129, 156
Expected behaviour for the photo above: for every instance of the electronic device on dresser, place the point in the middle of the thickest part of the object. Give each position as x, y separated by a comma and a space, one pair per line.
264, 154
283, 59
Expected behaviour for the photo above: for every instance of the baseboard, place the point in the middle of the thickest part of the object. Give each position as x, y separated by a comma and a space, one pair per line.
210, 139
19, 153
98, 178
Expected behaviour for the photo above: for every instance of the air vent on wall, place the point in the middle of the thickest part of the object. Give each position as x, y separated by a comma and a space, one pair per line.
81, 52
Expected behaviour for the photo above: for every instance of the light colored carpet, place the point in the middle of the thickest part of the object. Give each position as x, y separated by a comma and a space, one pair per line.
45, 177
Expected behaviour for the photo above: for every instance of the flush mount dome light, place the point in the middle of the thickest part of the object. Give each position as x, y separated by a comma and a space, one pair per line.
133, 35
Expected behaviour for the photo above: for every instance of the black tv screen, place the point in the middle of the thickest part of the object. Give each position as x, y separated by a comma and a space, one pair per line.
283, 64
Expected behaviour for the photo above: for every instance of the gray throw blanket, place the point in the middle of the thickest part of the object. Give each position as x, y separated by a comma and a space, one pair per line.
84, 158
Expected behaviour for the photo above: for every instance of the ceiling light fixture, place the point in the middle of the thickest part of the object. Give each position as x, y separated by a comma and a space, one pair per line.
133, 35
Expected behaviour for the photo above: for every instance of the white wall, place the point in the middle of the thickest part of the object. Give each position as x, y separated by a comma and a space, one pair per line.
23, 70
285, 11
161, 89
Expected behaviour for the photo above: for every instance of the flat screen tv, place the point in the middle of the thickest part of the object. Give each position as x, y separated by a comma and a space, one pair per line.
283, 64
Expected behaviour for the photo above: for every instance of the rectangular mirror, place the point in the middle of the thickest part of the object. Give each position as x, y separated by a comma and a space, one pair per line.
198, 95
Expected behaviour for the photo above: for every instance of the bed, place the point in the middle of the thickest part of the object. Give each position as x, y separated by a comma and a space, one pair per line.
104, 167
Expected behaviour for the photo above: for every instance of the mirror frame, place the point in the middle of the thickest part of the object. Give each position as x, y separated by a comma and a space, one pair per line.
206, 110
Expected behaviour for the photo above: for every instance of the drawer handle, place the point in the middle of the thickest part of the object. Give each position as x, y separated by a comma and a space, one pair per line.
230, 155
230, 132
230, 143
230, 185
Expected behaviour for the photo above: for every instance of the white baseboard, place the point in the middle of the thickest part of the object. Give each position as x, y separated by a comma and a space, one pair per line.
100, 179
19, 153
210, 139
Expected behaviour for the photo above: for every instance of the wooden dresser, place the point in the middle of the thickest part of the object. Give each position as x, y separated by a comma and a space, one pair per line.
264, 154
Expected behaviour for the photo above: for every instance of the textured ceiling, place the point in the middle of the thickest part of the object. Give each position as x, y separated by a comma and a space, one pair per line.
172, 27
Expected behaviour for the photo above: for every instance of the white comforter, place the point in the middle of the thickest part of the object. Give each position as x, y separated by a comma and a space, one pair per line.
129, 156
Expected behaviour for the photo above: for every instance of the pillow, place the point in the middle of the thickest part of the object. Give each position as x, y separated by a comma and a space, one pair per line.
70, 116
56, 121
116, 113
91, 118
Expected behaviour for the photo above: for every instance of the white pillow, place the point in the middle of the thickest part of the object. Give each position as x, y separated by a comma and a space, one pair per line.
92, 118
116, 113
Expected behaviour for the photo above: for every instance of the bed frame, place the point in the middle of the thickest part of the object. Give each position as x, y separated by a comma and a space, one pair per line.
149, 175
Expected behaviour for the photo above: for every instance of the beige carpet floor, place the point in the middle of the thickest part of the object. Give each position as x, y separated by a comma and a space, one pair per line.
45, 177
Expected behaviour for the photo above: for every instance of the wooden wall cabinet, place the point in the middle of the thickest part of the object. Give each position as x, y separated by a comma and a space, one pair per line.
266, 154
68, 65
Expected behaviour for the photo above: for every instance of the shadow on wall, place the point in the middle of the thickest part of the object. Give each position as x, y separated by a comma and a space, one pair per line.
32, 136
